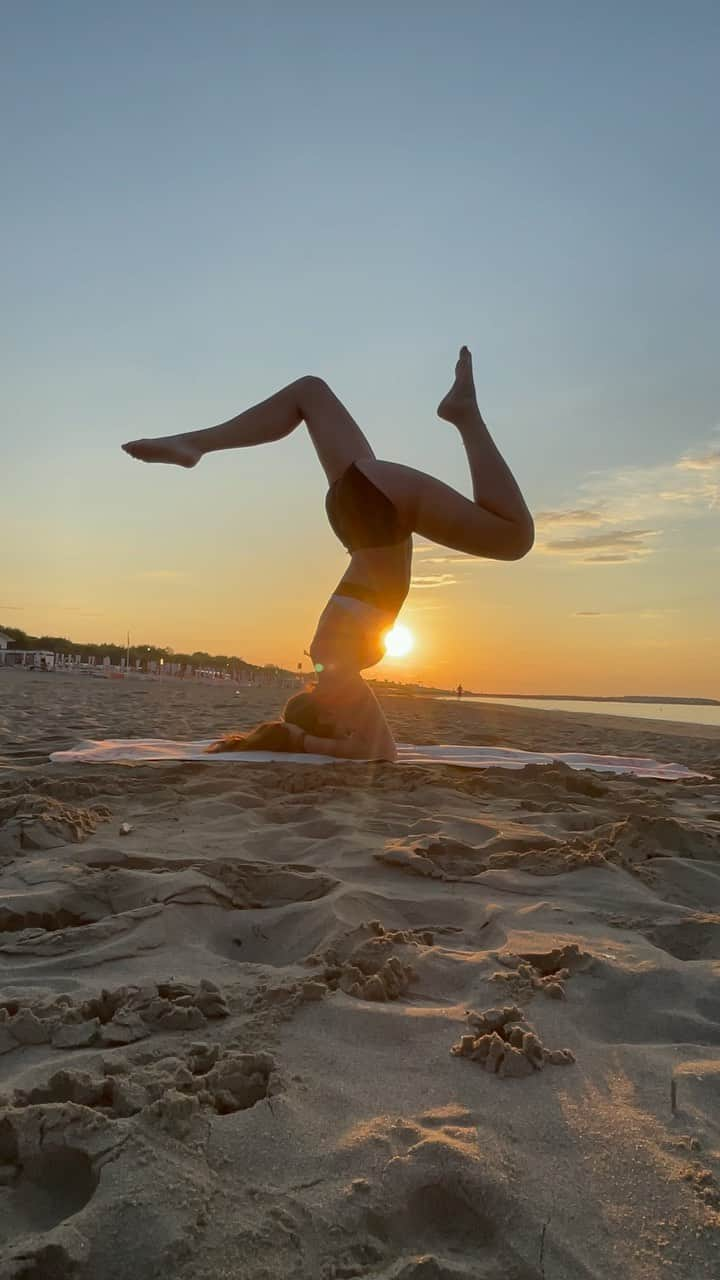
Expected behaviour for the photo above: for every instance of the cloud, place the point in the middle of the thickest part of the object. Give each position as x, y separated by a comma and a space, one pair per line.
580, 515
13, 608
623, 505
679, 490
613, 538
651, 615
433, 580
677, 495
706, 462
642, 493
610, 559
613, 547
459, 559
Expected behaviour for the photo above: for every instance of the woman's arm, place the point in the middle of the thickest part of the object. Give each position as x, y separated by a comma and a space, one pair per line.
368, 737
370, 729
352, 747
273, 735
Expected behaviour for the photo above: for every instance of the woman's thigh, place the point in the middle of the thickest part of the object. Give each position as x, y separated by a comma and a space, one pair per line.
337, 438
438, 512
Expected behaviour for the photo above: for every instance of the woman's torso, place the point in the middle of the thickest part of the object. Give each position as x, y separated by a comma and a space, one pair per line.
363, 607
384, 572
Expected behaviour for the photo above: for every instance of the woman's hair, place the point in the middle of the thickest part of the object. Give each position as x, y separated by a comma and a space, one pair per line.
273, 735
304, 710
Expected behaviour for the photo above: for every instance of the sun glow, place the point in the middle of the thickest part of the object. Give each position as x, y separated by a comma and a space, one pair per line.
398, 642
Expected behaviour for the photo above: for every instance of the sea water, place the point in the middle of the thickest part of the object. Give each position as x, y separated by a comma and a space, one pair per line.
685, 713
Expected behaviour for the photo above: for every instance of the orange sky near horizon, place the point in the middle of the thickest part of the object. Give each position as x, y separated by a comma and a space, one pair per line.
615, 598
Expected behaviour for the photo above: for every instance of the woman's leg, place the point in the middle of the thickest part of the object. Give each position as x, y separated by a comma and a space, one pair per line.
335, 434
497, 524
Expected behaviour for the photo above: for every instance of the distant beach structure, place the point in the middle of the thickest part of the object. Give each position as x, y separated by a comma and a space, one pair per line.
4, 640
35, 659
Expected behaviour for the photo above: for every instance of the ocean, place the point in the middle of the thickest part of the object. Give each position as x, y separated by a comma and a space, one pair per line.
686, 714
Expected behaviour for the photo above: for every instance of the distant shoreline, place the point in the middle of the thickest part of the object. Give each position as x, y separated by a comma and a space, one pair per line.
393, 686
655, 700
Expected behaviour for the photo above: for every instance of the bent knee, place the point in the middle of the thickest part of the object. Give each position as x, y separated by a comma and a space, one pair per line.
520, 539
313, 385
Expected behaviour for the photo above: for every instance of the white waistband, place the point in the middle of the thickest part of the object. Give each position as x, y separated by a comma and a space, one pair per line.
358, 606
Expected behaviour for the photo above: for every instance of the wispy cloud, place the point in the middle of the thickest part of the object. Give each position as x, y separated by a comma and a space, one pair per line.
706, 462
619, 504
433, 580
577, 516
618, 500
12, 608
607, 559
613, 547
688, 497
641, 493
452, 559
614, 539
647, 615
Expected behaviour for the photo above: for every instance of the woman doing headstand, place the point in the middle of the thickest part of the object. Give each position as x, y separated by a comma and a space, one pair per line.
374, 507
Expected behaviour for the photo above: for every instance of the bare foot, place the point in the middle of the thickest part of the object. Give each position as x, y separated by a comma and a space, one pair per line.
460, 402
175, 449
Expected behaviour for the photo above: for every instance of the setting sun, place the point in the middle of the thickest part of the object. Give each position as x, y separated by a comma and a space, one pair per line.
398, 642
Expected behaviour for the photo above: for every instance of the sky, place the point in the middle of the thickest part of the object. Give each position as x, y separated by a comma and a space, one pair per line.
203, 201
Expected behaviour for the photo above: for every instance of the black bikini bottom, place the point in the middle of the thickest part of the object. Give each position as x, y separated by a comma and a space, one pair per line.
368, 596
360, 515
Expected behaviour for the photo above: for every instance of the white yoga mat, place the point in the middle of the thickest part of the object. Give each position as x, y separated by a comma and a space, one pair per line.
143, 750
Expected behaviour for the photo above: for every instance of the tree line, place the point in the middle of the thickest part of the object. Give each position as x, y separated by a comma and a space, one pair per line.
143, 653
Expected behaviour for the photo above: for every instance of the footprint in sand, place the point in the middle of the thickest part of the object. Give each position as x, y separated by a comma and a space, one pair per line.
116, 894
49, 1173
697, 937
439, 1212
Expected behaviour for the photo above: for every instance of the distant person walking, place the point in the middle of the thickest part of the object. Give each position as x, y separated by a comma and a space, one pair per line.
373, 507
459, 691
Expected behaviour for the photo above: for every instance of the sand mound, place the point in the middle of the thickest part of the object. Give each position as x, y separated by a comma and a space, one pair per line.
365, 964
503, 1042
41, 822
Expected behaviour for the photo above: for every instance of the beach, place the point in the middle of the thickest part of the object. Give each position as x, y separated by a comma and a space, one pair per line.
361, 1020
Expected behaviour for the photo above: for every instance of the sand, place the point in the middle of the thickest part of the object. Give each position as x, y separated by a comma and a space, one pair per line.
361, 1021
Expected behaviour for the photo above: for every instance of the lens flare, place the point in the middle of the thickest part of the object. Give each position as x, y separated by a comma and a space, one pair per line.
398, 642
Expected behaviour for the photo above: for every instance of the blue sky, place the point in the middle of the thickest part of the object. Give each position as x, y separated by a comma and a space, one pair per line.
203, 201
